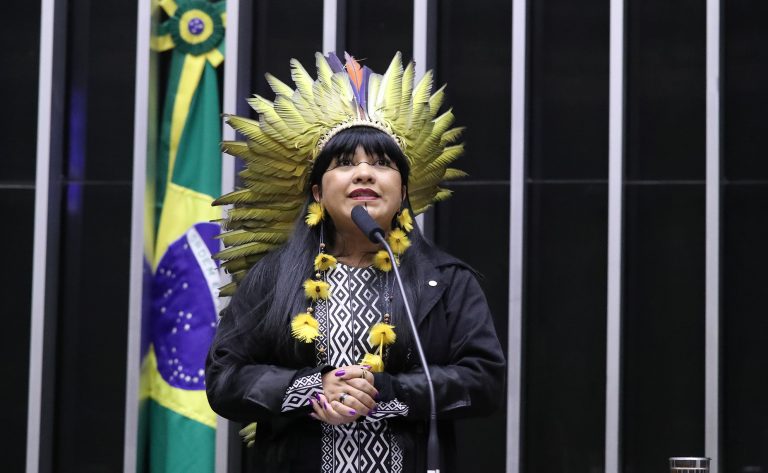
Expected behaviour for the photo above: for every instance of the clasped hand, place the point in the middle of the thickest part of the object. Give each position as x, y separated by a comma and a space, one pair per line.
348, 393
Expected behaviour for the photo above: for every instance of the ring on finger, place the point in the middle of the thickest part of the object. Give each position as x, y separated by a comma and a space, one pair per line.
342, 398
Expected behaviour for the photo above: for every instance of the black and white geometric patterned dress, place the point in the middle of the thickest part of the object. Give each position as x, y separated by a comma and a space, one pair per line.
358, 300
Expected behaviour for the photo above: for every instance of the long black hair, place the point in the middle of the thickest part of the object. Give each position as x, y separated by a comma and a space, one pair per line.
271, 294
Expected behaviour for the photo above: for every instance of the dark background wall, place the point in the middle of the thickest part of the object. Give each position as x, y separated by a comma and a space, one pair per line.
95, 213
18, 133
663, 364
744, 252
563, 411
473, 55
86, 270
664, 233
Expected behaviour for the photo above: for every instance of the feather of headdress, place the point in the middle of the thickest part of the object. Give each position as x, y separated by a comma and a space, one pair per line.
364, 88
244, 126
278, 87
404, 116
263, 215
281, 144
355, 73
421, 92
453, 173
228, 289
240, 237
324, 71
286, 109
334, 62
302, 79
388, 97
254, 248
236, 197
237, 264
305, 106
452, 135
374, 81
436, 100
449, 154
354, 70
269, 116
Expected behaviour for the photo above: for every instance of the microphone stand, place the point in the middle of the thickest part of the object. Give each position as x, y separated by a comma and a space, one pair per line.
433, 445
371, 229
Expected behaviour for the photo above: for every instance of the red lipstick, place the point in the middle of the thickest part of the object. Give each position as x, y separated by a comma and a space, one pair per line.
363, 193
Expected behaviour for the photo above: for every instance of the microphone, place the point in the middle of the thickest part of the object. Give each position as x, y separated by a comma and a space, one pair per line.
366, 224
373, 231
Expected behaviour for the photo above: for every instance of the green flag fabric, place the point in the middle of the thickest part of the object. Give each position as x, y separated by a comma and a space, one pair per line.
177, 421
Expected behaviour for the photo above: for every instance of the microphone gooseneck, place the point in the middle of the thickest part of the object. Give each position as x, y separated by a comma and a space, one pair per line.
373, 231
366, 224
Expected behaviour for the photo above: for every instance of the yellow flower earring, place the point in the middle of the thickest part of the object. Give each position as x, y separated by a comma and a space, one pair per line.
304, 327
398, 240
405, 221
381, 335
315, 214
382, 262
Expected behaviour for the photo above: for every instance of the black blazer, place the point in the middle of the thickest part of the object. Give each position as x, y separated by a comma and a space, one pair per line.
465, 358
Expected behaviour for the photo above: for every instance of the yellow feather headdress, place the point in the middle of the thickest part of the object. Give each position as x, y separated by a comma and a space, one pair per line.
291, 131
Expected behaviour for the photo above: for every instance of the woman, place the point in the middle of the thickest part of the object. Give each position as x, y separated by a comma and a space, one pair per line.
314, 345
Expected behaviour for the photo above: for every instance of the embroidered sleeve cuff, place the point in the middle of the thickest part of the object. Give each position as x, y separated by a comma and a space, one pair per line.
302, 390
387, 409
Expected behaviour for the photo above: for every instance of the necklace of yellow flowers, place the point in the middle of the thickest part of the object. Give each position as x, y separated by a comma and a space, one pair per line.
305, 327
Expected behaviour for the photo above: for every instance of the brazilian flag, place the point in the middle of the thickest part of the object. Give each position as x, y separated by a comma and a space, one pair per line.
177, 422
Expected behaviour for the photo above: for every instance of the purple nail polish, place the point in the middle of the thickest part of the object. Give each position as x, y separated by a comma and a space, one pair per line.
310, 402
317, 396
376, 397
352, 412
367, 367
340, 373
327, 408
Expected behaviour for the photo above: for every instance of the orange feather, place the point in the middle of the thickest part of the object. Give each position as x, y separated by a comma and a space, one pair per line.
354, 70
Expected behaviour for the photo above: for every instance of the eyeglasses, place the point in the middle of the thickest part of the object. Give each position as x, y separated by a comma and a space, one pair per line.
347, 164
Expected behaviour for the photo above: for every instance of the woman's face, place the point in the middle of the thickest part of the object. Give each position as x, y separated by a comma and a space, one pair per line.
371, 181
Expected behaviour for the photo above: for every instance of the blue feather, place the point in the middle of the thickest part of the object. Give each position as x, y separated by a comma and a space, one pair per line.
334, 62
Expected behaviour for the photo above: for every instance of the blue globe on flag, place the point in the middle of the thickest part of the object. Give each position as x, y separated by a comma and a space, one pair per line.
185, 308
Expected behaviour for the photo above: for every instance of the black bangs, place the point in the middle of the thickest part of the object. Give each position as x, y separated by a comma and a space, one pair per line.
374, 142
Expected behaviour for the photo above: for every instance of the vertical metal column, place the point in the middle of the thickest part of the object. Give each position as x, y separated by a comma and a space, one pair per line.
424, 55
329, 25
232, 95
136, 286
46, 235
39, 254
615, 223
712, 275
516, 233
420, 35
